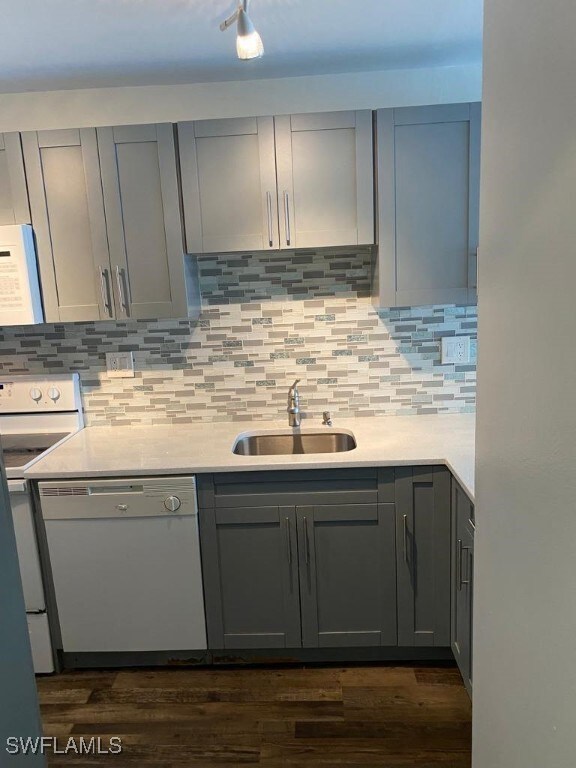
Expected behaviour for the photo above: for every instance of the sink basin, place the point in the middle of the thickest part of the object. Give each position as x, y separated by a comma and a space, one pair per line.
293, 442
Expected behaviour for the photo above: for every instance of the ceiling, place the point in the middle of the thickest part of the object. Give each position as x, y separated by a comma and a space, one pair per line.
53, 44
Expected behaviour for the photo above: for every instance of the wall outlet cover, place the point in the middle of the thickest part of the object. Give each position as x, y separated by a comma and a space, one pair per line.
120, 365
455, 349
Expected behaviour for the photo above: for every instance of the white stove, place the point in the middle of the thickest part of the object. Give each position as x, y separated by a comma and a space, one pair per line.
37, 413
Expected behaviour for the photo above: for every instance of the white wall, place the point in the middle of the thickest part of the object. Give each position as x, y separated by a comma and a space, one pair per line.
165, 103
525, 611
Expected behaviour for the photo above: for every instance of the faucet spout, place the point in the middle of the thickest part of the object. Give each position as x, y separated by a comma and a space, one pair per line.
294, 416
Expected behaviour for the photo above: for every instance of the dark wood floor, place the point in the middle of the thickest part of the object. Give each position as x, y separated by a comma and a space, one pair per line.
392, 716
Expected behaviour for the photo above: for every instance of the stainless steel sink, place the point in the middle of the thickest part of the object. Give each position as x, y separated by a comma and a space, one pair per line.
293, 442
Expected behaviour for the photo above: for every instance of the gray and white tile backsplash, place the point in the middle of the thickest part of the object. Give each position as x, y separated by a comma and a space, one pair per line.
268, 319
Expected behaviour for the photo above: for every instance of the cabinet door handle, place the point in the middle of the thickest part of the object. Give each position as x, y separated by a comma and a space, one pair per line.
269, 212
405, 531
287, 217
459, 563
464, 549
105, 290
120, 285
306, 542
289, 540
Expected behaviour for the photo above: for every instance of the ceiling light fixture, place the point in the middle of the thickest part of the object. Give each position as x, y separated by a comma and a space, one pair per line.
248, 42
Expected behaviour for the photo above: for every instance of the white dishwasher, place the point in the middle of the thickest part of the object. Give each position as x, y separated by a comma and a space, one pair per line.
125, 561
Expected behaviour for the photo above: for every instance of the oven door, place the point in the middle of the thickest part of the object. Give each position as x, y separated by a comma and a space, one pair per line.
27, 546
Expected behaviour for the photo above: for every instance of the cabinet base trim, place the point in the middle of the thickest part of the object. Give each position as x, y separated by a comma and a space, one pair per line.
111, 659
101, 659
329, 655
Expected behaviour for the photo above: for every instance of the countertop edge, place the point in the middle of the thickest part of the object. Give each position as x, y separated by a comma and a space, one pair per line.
37, 475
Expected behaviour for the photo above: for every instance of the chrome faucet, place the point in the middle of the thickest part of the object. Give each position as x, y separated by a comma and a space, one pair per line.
294, 405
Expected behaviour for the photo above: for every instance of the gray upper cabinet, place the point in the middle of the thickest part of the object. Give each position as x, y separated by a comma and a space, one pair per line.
13, 194
347, 575
106, 214
68, 217
250, 568
428, 166
462, 581
229, 185
294, 181
423, 555
142, 205
325, 179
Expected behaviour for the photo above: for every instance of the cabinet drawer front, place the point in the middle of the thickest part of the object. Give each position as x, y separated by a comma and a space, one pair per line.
257, 489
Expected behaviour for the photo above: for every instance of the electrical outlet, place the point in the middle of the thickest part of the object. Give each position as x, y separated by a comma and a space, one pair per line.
120, 365
455, 349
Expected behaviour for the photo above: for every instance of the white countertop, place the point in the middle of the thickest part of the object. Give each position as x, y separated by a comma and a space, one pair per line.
207, 447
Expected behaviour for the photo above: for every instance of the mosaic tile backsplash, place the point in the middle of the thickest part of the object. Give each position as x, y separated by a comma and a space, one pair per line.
267, 320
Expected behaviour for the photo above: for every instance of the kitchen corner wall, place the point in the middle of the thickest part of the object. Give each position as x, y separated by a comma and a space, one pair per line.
267, 319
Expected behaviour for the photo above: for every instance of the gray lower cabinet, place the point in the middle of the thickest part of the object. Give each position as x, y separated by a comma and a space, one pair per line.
423, 555
327, 559
428, 161
14, 207
250, 567
462, 581
347, 564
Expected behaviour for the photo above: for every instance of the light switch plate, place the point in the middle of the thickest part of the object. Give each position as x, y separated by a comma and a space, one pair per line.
455, 349
120, 365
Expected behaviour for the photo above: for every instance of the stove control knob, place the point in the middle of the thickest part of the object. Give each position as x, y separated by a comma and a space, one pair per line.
36, 394
54, 393
172, 503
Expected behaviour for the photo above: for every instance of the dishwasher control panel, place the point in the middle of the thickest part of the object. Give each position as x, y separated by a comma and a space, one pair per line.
122, 497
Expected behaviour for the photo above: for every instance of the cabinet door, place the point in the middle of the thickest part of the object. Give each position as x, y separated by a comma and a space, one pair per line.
428, 203
325, 179
13, 194
68, 216
462, 582
347, 575
229, 184
423, 547
142, 206
250, 567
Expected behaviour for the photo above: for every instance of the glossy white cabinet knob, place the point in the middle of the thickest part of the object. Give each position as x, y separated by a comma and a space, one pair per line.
54, 393
172, 503
36, 394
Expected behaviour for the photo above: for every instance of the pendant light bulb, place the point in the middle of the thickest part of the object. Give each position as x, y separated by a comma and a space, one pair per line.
248, 42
